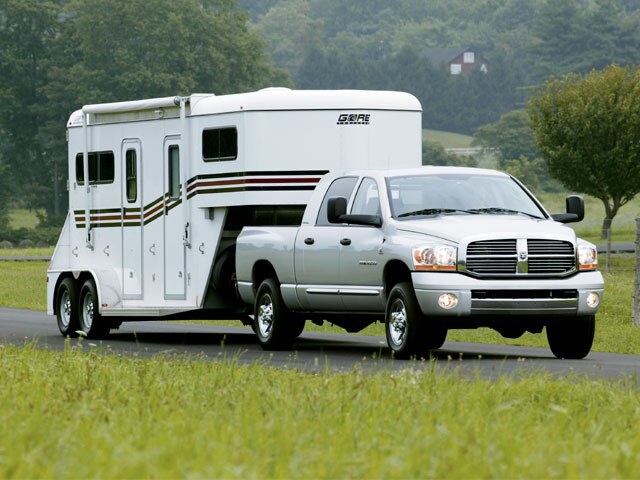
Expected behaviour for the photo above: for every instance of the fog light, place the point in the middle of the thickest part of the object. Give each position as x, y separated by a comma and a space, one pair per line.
447, 301
593, 300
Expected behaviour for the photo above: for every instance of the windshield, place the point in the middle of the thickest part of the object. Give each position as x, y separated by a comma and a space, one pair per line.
460, 194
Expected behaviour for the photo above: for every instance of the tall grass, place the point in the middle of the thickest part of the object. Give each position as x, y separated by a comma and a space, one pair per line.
80, 414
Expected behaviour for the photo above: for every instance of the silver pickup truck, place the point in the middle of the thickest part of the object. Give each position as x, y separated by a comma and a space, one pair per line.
424, 251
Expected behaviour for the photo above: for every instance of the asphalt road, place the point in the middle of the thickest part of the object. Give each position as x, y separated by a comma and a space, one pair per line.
312, 351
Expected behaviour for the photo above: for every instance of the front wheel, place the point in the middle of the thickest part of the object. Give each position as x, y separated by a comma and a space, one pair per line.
405, 323
571, 338
275, 326
91, 322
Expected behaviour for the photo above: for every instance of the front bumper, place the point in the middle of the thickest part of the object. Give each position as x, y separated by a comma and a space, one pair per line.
509, 296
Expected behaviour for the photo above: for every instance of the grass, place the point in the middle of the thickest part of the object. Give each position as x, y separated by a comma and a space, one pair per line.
27, 252
447, 139
81, 414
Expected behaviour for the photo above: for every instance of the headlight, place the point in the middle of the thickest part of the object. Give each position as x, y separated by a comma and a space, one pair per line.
587, 256
435, 257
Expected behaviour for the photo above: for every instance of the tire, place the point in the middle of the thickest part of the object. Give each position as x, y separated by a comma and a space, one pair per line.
67, 308
275, 327
571, 338
435, 337
90, 320
405, 323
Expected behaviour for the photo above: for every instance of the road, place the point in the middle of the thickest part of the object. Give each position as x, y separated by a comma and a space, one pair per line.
312, 351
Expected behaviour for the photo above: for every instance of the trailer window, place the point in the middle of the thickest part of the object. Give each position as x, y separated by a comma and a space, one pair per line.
101, 168
132, 176
220, 144
174, 172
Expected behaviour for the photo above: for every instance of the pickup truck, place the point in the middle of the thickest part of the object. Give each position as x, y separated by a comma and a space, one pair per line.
424, 250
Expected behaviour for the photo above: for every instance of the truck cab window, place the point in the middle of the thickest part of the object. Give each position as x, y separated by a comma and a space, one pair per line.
367, 200
101, 168
341, 187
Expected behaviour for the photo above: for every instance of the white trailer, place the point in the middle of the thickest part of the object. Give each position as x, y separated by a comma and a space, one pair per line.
172, 181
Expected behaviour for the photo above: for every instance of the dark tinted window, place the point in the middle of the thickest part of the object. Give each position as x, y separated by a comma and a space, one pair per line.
101, 168
220, 144
132, 177
341, 187
174, 171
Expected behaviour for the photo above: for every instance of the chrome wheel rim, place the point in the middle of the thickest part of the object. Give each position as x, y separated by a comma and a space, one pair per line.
87, 312
397, 322
265, 315
65, 309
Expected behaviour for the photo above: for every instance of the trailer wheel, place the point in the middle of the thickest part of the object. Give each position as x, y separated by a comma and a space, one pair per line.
405, 323
67, 308
274, 325
91, 322
571, 339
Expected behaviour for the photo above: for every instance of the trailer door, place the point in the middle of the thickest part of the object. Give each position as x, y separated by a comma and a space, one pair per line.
131, 219
174, 248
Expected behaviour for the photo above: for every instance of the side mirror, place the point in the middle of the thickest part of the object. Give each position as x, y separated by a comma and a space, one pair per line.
337, 213
575, 210
336, 207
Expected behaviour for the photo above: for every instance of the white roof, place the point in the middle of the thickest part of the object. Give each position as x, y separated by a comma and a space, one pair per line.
272, 99
286, 99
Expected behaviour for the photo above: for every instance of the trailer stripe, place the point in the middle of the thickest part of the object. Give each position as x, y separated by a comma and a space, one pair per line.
201, 185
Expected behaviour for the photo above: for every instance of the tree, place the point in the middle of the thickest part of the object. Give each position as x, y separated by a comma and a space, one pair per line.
433, 153
588, 129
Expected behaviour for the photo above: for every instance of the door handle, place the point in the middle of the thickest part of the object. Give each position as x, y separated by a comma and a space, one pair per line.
345, 241
309, 241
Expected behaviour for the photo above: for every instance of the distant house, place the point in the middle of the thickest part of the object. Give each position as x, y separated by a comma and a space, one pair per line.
461, 61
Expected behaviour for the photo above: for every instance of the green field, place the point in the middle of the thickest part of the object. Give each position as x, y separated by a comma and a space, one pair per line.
447, 139
82, 414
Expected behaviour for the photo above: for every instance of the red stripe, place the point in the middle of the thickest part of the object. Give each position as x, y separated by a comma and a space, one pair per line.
245, 181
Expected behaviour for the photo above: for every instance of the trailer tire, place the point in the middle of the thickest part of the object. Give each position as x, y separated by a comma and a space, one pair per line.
275, 326
571, 339
405, 325
90, 320
67, 308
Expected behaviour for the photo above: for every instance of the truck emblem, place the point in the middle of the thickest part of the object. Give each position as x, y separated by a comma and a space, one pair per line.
523, 256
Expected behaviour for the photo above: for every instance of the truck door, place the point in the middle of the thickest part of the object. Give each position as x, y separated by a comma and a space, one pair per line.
131, 220
174, 249
361, 264
317, 255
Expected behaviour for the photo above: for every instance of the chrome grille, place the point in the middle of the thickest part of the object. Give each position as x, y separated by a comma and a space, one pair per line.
501, 257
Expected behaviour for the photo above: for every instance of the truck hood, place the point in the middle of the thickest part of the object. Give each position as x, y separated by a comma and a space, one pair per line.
455, 228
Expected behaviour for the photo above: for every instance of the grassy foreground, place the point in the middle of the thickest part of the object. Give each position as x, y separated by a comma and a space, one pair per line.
81, 414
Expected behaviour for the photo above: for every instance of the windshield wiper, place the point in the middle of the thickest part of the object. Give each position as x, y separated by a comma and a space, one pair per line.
505, 211
436, 211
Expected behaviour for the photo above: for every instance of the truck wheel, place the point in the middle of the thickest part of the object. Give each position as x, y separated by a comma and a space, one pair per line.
274, 325
571, 338
405, 323
91, 322
67, 308
436, 337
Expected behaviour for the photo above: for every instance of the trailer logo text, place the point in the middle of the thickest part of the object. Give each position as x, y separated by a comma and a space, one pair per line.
354, 119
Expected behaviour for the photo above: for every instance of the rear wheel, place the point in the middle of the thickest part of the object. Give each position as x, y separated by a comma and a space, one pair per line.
67, 308
571, 338
91, 322
275, 326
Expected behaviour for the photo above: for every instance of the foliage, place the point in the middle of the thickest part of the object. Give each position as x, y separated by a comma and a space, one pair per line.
435, 154
58, 55
164, 416
588, 129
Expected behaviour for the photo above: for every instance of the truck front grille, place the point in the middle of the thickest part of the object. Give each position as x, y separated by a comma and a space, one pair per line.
537, 257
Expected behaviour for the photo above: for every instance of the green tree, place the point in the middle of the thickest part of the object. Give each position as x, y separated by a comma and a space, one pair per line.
588, 129
433, 153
